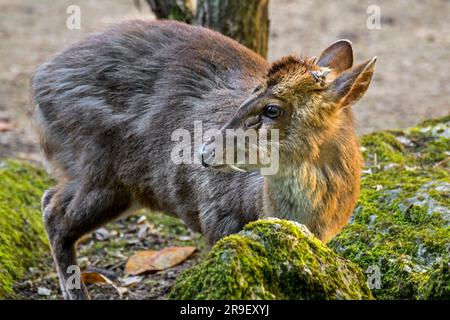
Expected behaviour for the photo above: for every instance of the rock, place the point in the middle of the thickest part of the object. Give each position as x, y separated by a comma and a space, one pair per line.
272, 259
102, 234
438, 284
44, 291
22, 237
403, 227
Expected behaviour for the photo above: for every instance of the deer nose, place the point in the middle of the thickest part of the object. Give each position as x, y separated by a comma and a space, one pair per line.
208, 154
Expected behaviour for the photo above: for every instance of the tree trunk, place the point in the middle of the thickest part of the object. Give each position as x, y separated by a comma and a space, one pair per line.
245, 21
181, 10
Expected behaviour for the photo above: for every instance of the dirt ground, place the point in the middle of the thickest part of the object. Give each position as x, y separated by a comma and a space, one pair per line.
107, 251
413, 48
411, 81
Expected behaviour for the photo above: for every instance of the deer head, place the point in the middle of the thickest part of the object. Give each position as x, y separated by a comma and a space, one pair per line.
302, 100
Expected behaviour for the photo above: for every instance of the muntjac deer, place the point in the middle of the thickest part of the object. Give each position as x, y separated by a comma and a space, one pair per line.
107, 106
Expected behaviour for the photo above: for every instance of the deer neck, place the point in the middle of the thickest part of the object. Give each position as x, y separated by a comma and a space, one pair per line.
292, 194
310, 189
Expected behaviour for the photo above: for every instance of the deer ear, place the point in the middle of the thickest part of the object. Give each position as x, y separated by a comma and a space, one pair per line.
338, 56
351, 85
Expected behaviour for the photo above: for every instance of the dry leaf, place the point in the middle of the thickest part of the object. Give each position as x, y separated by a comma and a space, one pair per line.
85, 238
142, 230
5, 126
142, 219
122, 291
185, 238
149, 260
98, 278
94, 277
129, 281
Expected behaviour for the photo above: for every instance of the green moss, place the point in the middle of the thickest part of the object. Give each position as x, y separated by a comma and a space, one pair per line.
435, 151
272, 259
434, 122
402, 220
22, 236
166, 224
431, 141
382, 146
438, 285
173, 228
441, 196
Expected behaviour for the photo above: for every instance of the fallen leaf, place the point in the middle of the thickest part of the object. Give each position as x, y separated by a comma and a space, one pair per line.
116, 254
142, 230
185, 238
5, 126
128, 281
122, 291
85, 238
150, 260
94, 277
142, 219
134, 241
98, 278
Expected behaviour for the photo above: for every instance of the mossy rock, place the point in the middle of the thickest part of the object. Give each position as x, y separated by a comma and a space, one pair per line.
22, 236
438, 284
401, 224
272, 259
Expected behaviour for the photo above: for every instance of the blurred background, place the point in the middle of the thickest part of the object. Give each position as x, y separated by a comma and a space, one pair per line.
412, 42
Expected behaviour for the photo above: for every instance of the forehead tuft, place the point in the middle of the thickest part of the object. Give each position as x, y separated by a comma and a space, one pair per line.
290, 69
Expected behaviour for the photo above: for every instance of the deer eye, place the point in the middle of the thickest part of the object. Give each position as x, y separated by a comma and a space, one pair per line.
272, 111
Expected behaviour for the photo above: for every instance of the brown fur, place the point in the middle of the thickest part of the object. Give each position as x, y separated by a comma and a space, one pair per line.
320, 161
